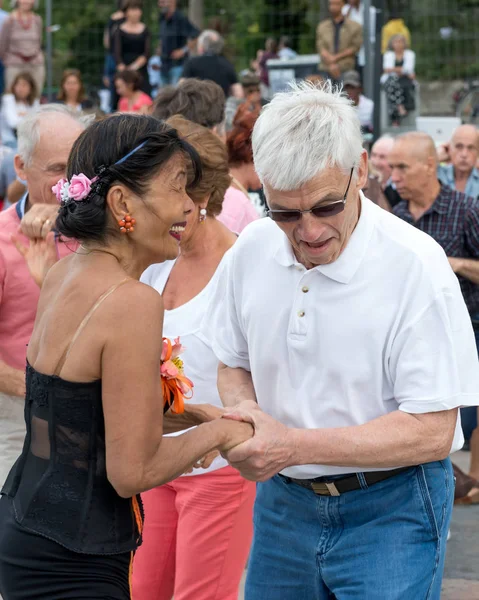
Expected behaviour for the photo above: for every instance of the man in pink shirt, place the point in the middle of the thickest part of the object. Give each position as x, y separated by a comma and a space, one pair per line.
44, 142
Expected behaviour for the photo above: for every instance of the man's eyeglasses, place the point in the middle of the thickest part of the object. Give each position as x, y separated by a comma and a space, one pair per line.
328, 210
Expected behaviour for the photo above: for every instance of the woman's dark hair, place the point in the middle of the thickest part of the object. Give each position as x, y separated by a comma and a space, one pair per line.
132, 4
25, 76
72, 73
130, 78
95, 153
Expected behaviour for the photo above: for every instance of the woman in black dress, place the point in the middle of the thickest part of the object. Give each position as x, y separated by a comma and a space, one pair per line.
70, 515
132, 43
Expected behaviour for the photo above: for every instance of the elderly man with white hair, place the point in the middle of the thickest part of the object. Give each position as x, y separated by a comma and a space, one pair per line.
344, 339
210, 64
45, 139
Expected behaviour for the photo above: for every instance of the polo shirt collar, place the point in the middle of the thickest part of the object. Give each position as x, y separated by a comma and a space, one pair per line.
344, 268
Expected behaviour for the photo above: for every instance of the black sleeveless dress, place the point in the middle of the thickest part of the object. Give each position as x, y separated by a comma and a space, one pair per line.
64, 531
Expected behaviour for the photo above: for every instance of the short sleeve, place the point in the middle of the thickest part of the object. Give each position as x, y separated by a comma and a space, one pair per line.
222, 325
433, 362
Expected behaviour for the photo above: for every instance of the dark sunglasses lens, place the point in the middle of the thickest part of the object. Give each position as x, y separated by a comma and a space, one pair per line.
284, 216
328, 211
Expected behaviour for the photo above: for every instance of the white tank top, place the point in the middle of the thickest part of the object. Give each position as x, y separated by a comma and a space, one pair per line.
200, 362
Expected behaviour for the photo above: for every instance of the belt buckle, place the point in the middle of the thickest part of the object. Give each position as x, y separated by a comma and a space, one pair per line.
325, 489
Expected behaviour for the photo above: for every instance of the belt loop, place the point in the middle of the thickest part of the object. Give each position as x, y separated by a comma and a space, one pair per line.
362, 481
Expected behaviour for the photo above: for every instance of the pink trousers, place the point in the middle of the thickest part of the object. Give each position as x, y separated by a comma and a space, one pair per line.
196, 538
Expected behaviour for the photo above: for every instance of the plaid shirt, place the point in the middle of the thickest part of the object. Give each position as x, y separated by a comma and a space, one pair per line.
453, 221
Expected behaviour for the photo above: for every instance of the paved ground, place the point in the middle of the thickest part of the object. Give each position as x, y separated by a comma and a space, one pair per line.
461, 577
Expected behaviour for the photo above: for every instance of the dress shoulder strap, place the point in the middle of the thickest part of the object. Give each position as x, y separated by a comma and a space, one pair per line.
84, 323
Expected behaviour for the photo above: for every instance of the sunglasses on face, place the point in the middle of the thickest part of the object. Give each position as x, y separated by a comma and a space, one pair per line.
327, 210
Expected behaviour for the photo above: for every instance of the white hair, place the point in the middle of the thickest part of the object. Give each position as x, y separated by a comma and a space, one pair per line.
29, 129
303, 131
211, 41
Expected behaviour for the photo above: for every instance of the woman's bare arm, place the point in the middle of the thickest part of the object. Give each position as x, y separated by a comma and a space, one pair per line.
138, 457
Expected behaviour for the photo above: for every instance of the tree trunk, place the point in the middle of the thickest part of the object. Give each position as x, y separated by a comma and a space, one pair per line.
196, 12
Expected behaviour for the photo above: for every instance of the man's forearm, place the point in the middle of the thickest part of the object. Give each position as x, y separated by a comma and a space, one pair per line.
469, 268
234, 386
12, 381
345, 54
394, 440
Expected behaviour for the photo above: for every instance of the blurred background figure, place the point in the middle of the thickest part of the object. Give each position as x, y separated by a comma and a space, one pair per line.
399, 64
132, 43
338, 41
354, 10
72, 91
16, 105
3, 18
270, 52
462, 154
109, 70
251, 90
132, 98
285, 52
395, 26
365, 106
176, 36
21, 44
210, 64
240, 156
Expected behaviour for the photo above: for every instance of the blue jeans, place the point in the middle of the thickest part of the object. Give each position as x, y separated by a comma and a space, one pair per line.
172, 76
469, 413
385, 542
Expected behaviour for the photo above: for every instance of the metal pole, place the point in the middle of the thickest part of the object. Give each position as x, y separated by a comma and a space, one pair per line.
368, 50
48, 21
378, 68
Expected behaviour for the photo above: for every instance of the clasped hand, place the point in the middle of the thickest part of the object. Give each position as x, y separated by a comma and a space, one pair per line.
269, 450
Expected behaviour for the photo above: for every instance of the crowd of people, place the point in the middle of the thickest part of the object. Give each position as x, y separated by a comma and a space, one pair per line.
323, 300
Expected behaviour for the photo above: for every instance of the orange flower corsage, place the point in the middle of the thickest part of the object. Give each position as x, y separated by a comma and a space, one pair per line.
175, 386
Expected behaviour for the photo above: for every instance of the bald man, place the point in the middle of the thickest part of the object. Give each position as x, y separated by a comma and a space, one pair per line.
447, 215
461, 174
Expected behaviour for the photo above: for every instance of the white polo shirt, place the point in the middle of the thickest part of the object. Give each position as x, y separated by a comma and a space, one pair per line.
382, 328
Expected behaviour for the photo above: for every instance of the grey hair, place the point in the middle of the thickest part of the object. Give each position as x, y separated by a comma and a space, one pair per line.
395, 37
303, 131
29, 129
211, 41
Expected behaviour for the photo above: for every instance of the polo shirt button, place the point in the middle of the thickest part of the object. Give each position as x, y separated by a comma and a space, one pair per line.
301, 313
305, 289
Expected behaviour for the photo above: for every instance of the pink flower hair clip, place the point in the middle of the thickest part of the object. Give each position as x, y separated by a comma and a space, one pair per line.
78, 188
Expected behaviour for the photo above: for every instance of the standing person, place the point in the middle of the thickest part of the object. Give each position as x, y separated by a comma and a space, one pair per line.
270, 52
338, 41
132, 99
176, 32
45, 139
70, 519
132, 43
198, 528
354, 10
21, 44
240, 156
285, 52
3, 17
398, 77
115, 20
72, 91
21, 101
451, 218
211, 65
461, 173
351, 368
203, 102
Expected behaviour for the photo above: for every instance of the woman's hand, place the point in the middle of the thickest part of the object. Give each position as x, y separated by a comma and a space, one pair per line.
40, 255
205, 462
241, 432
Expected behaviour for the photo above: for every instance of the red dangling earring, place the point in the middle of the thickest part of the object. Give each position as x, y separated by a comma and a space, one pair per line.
127, 224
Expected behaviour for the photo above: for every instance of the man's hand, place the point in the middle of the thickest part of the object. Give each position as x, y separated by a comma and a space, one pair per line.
178, 54
270, 449
39, 220
456, 263
334, 71
40, 255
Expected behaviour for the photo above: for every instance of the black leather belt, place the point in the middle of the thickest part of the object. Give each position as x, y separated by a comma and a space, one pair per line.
348, 483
